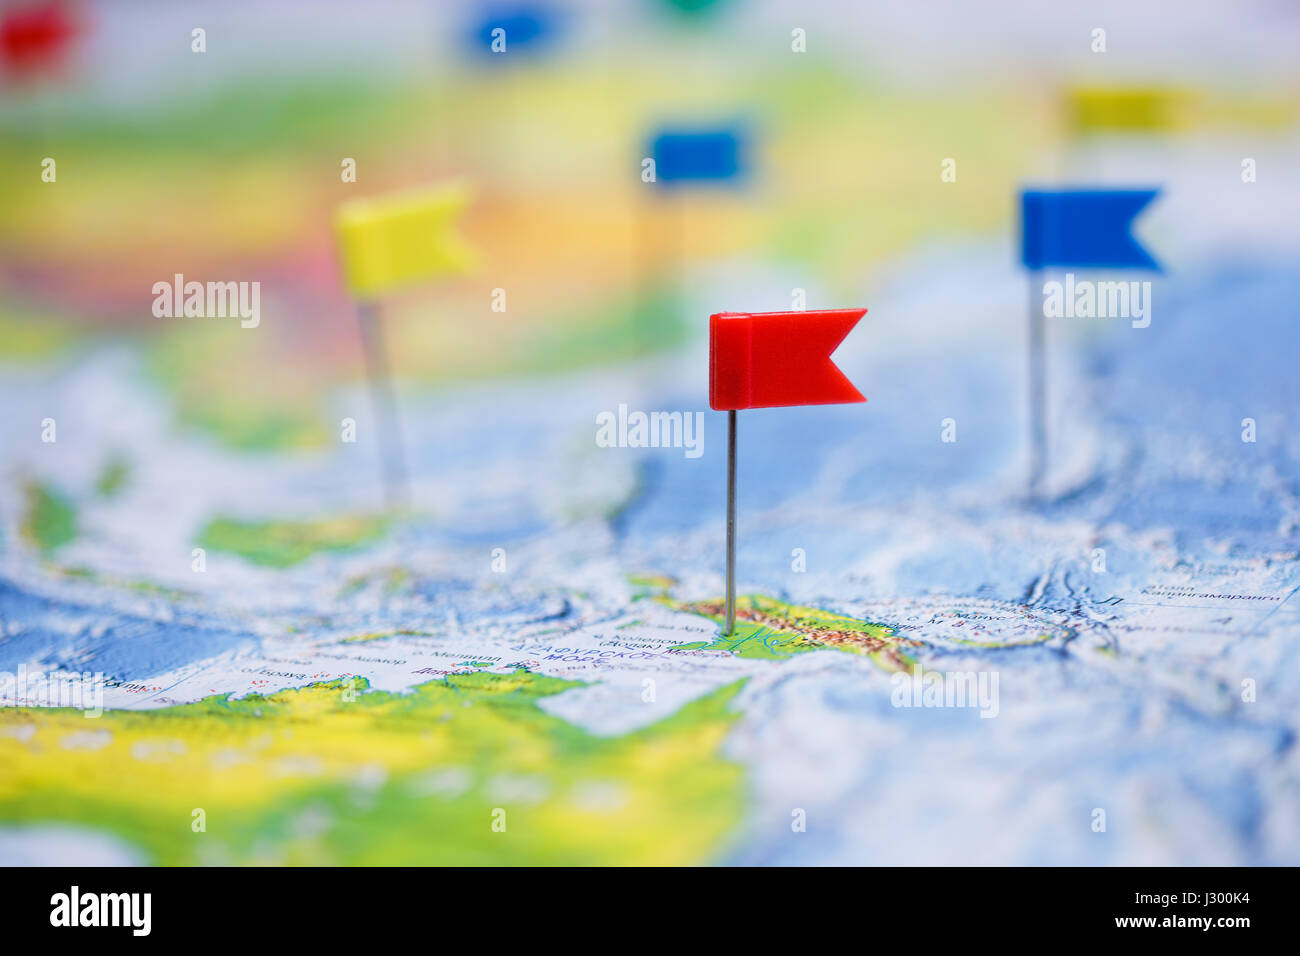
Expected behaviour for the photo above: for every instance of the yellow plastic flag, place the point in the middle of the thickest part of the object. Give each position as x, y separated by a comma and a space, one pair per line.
392, 241
1125, 109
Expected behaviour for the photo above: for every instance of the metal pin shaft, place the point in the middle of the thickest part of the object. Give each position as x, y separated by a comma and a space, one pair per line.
1037, 388
393, 460
731, 521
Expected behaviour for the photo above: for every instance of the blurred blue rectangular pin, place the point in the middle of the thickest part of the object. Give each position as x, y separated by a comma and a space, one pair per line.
527, 29
697, 156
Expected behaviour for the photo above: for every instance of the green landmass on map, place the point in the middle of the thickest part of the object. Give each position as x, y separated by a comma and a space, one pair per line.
281, 544
50, 519
113, 477
771, 629
459, 771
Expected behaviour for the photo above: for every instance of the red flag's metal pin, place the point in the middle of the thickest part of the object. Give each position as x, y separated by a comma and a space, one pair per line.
731, 522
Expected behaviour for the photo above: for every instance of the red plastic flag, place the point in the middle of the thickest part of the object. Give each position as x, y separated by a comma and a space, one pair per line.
766, 359
35, 36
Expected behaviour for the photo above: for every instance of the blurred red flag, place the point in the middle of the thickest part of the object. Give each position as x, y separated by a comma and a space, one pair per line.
766, 359
35, 36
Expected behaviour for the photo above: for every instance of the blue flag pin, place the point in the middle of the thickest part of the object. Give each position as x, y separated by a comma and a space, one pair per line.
679, 159
1080, 229
697, 156
525, 28
1083, 228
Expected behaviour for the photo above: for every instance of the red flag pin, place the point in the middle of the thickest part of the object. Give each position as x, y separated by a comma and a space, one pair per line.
766, 360
36, 36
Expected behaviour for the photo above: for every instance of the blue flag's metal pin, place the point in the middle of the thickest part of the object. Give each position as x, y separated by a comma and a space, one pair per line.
1037, 386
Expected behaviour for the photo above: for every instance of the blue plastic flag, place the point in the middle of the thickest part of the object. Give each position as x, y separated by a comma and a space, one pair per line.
1083, 228
683, 156
521, 29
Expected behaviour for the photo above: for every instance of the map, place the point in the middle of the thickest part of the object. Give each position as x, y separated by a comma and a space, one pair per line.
219, 645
